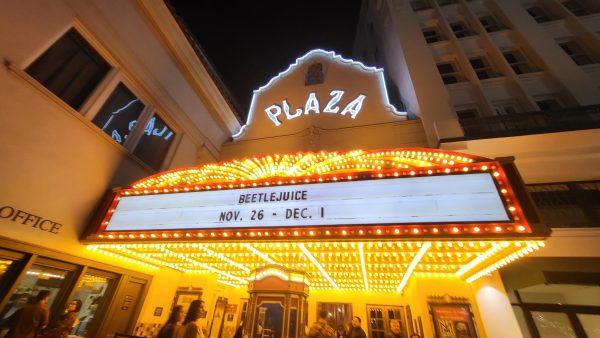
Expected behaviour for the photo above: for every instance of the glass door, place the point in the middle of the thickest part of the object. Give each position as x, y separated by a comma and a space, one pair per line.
91, 291
383, 319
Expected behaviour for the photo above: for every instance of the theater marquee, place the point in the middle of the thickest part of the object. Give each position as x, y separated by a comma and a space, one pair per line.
352, 195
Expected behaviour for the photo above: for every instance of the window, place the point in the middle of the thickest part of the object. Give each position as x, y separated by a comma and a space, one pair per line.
91, 291
518, 62
70, 68
490, 24
118, 116
460, 29
340, 314
576, 8
576, 52
37, 278
432, 34
539, 14
548, 104
506, 108
449, 73
420, 5
482, 68
155, 142
446, 2
468, 113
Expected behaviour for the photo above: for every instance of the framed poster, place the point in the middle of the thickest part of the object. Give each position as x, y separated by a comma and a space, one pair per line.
185, 298
453, 320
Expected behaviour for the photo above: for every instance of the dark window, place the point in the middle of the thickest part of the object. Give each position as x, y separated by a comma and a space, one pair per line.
548, 104
432, 34
460, 29
518, 62
576, 52
576, 8
490, 24
448, 73
155, 142
314, 74
482, 68
466, 113
70, 69
571, 204
446, 2
119, 114
419, 5
539, 14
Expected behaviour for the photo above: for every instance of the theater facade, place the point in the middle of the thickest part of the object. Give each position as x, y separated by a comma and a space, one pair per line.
328, 198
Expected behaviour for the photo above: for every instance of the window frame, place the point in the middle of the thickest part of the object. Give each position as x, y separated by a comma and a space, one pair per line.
98, 96
487, 69
540, 14
437, 34
457, 73
494, 25
579, 52
523, 64
464, 32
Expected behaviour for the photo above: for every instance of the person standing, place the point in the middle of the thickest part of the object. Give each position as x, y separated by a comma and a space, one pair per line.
320, 328
30, 319
395, 331
356, 331
190, 329
63, 326
173, 324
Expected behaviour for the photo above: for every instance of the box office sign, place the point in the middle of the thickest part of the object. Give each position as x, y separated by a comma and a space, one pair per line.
26, 218
471, 197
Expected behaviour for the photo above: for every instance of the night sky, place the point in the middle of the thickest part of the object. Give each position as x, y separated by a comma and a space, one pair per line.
249, 42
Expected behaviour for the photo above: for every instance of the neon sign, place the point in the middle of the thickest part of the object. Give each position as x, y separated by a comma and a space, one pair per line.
312, 105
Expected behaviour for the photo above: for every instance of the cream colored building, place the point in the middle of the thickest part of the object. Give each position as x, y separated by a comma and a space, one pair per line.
510, 78
135, 102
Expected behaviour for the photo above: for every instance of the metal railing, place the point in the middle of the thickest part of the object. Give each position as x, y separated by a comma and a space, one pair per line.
537, 122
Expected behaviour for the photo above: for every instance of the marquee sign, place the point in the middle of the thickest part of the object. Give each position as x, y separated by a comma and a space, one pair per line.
462, 198
358, 194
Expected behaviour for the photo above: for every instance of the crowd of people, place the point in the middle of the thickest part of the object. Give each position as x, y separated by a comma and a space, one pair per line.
31, 321
322, 329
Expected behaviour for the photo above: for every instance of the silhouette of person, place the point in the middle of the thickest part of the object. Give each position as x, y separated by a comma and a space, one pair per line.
320, 328
173, 324
64, 324
190, 328
30, 319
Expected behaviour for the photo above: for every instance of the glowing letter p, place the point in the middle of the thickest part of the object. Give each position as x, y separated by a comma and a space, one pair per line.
272, 112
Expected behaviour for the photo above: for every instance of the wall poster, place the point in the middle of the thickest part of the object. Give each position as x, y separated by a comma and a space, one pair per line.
453, 320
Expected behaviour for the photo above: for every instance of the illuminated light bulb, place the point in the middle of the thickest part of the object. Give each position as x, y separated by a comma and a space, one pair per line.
416, 231
504, 191
412, 173
379, 231
476, 229
455, 229
429, 172
344, 232
496, 174
521, 228
361, 232
484, 167
327, 232
511, 208
498, 229
396, 231
435, 230
465, 169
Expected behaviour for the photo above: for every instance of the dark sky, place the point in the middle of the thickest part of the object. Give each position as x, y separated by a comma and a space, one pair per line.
249, 42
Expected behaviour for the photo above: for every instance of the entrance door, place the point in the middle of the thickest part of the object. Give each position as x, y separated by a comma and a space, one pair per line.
218, 317
124, 307
380, 317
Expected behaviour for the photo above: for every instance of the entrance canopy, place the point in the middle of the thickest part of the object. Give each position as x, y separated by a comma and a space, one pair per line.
353, 220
